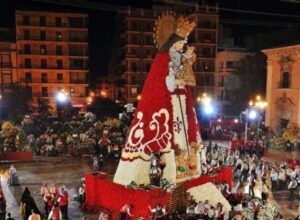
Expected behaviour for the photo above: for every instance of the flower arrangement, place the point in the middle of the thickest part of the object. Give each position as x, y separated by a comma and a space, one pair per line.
291, 132
266, 211
277, 143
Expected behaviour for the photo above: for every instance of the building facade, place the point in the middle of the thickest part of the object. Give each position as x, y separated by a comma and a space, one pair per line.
52, 55
283, 86
139, 49
226, 65
8, 62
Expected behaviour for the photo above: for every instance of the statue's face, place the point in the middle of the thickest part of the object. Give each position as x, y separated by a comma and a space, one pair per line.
179, 45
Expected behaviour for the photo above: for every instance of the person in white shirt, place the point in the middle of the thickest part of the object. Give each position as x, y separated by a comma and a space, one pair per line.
199, 208
158, 211
12, 175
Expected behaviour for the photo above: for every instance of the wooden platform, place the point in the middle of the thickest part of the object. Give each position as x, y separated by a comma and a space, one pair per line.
179, 198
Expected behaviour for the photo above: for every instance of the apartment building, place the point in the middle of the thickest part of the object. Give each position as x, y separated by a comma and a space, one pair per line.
52, 55
139, 49
8, 60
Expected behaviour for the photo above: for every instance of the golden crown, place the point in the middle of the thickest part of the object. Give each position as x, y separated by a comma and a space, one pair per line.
184, 27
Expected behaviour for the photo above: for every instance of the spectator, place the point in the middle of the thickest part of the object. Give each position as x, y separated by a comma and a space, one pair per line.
2, 207
34, 216
55, 213
126, 211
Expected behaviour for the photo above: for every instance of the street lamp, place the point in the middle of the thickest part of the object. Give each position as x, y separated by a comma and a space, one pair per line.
253, 112
62, 98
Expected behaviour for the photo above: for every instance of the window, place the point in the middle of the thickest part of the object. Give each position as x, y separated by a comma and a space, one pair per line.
27, 63
206, 52
29, 90
28, 77
43, 63
133, 80
134, 67
27, 48
42, 35
148, 66
58, 22
59, 77
221, 83
43, 49
77, 22
26, 34
26, 20
5, 60
207, 37
42, 20
78, 64
207, 24
78, 77
59, 50
285, 80
44, 78
133, 91
229, 64
133, 51
134, 26
59, 64
134, 40
149, 27
149, 40
44, 92
7, 78
58, 36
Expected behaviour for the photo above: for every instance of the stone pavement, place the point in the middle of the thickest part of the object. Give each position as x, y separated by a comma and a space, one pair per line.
65, 172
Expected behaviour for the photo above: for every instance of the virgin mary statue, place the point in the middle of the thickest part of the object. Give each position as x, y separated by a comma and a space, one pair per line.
165, 118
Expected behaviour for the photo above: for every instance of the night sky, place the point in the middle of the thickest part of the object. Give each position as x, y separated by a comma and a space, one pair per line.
102, 24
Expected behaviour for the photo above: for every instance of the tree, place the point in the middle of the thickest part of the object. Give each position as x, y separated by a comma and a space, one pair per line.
16, 102
104, 107
246, 82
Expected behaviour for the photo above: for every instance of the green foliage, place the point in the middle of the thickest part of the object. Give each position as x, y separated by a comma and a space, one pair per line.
132, 185
105, 108
16, 103
247, 81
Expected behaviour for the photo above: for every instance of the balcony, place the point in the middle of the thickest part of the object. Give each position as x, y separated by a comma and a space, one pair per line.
78, 81
6, 65
83, 67
48, 81
53, 25
41, 67
53, 53
53, 39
